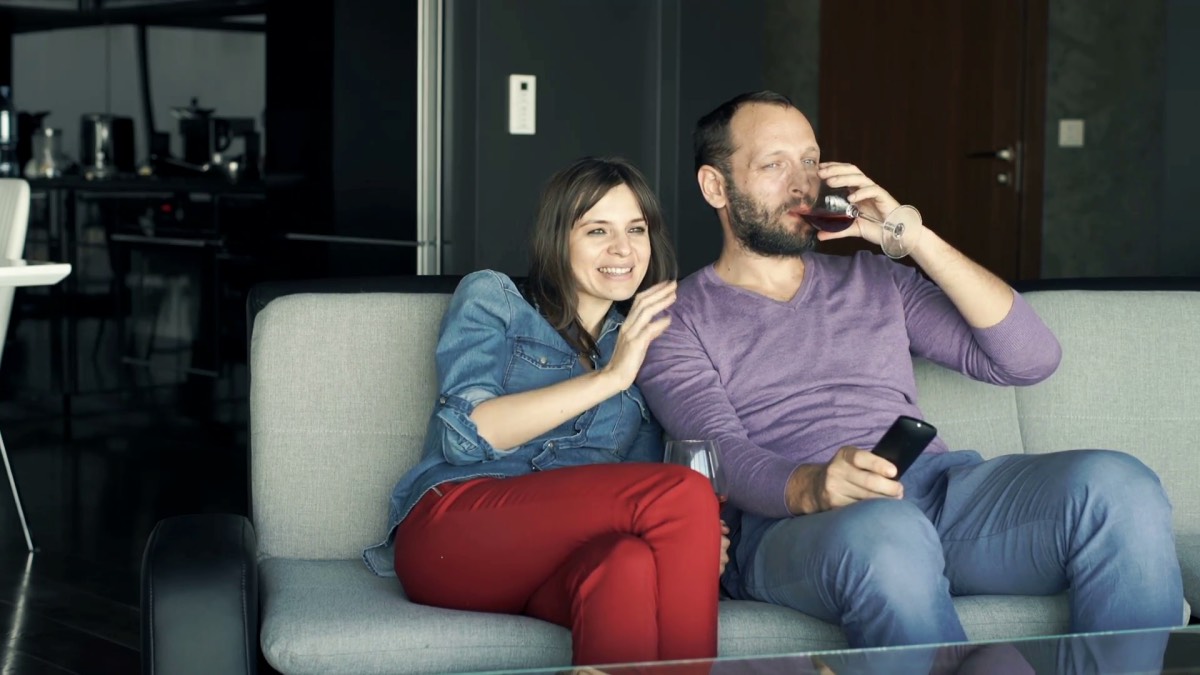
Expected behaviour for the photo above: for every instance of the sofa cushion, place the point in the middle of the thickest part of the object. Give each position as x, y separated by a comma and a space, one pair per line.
749, 628
338, 409
334, 616
1127, 382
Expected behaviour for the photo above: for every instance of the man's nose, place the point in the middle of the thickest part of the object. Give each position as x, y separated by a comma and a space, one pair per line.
804, 183
800, 182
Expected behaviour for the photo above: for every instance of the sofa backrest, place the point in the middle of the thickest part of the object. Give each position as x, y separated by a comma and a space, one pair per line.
341, 390
1129, 380
342, 385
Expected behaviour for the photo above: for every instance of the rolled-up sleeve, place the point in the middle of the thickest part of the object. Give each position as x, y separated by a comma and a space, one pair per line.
472, 355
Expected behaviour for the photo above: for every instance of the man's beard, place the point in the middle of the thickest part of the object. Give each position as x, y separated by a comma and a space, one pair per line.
762, 230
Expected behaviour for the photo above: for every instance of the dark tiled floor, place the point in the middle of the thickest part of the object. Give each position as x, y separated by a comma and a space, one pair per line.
132, 458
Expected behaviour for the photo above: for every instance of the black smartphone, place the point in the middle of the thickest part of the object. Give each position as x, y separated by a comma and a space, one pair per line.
904, 441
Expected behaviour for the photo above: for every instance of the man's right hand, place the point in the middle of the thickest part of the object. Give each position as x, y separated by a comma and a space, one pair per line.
852, 475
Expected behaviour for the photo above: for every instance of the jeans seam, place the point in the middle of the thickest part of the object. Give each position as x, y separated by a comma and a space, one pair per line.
1006, 530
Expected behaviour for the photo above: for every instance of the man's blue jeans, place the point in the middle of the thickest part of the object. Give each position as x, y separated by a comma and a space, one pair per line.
1094, 522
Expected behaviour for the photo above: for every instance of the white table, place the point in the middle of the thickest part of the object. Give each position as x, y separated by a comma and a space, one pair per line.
26, 273
32, 272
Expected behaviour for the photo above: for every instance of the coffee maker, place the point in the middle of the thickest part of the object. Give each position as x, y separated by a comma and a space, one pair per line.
207, 140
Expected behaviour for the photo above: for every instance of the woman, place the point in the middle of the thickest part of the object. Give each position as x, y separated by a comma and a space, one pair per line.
541, 490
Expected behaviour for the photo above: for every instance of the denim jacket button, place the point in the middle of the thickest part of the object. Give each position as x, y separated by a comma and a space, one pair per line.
550, 445
442, 399
542, 360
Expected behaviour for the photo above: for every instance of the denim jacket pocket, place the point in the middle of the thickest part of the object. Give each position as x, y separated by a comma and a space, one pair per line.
535, 365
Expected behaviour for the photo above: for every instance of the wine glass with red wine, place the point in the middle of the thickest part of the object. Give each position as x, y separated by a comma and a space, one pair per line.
832, 211
702, 456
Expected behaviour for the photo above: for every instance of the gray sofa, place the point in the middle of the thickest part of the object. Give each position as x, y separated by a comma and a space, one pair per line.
342, 382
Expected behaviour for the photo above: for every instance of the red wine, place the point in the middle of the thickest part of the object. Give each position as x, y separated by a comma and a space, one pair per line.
829, 223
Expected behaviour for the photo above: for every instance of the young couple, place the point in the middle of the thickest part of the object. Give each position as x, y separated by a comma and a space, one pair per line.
542, 490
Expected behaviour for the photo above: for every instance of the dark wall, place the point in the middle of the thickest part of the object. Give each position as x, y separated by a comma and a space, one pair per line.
1180, 240
375, 118
5, 55
1105, 63
341, 153
615, 77
721, 55
597, 82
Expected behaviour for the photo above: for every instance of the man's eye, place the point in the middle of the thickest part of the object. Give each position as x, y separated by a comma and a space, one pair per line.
772, 165
810, 163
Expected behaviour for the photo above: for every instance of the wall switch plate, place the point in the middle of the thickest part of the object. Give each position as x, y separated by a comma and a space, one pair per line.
522, 104
1070, 133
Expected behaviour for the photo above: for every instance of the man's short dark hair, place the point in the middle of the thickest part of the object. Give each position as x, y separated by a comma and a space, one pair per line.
710, 141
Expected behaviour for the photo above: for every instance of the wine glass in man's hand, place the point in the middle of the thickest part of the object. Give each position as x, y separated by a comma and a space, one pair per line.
832, 211
705, 458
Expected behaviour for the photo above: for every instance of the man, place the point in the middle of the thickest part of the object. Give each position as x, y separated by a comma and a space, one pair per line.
797, 362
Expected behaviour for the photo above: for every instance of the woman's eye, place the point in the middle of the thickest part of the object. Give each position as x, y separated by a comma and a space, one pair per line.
638, 229
597, 231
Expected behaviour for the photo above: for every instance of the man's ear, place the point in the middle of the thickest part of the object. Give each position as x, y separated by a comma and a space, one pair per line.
712, 186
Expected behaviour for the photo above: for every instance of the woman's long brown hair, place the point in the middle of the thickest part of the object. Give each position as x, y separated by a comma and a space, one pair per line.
568, 195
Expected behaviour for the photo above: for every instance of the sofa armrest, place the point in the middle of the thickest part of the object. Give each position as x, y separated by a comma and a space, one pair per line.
199, 596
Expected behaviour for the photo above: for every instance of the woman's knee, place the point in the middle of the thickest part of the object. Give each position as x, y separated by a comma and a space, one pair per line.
685, 493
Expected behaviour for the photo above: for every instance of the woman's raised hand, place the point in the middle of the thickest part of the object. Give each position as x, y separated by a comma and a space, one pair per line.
640, 328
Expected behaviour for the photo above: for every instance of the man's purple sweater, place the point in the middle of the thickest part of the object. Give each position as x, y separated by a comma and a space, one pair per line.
781, 384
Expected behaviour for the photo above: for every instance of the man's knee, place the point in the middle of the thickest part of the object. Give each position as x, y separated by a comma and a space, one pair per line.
879, 525
884, 540
1107, 476
881, 554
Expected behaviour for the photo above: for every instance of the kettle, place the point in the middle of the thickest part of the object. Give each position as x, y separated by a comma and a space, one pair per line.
106, 147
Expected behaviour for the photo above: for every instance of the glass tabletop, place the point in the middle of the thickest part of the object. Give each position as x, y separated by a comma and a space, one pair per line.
1136, 652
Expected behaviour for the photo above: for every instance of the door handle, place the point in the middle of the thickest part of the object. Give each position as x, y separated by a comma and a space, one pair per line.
1004, 154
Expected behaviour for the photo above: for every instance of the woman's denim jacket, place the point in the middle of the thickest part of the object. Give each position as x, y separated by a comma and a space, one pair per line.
493, 342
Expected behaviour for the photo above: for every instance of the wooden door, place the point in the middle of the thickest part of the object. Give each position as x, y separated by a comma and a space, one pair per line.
942, 103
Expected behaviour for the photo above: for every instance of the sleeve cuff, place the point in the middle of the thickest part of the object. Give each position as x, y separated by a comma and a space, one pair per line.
461, 442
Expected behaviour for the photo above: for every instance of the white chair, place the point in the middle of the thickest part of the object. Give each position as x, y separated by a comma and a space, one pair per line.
14, 221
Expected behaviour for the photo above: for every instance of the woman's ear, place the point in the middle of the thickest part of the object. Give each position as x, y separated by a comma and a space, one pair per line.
712, 186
